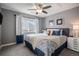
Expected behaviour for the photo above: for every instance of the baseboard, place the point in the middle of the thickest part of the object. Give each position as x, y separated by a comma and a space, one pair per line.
8, 44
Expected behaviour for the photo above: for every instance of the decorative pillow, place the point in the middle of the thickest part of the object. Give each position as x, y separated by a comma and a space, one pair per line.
56, 33
50, 31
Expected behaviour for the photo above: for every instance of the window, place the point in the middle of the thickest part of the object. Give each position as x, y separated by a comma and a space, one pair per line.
30, 25
26, 25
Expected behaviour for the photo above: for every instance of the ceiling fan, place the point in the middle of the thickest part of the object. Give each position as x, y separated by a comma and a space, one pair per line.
40, 8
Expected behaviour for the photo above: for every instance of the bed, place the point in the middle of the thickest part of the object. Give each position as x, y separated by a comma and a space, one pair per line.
44, 45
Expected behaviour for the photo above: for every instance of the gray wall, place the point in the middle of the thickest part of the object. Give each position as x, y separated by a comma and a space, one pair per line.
8, 28
41, 24
9, 25
0, 30
69, 17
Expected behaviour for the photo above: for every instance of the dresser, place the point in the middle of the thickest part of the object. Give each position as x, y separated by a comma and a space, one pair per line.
73, 43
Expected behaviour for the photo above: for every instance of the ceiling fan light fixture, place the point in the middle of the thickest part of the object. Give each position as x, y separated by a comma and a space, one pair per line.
40, 8
39, 11
34, 6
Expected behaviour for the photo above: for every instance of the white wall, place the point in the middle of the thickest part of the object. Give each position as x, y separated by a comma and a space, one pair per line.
69, 17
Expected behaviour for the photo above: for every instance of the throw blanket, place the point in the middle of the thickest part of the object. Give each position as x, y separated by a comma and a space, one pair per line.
47, 44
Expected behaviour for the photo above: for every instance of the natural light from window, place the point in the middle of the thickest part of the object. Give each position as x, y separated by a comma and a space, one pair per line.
30, 25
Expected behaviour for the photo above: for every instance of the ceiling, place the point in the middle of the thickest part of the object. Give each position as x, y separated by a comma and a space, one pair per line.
23, 8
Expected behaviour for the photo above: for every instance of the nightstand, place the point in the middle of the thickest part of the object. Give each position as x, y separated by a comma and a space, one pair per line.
73, 43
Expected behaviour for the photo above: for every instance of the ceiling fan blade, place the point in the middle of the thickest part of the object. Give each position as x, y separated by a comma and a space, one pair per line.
44, 12
47, 7
31, 9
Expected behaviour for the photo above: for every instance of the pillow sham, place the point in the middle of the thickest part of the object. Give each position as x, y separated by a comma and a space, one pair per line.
56, 32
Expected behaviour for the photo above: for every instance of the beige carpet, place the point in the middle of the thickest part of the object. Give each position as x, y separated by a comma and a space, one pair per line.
21, 50
68, 52
16, 50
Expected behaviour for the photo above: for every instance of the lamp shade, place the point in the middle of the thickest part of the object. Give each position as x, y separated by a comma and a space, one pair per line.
76, 26
76, 30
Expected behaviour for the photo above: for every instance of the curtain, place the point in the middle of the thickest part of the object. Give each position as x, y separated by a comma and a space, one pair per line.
26, 25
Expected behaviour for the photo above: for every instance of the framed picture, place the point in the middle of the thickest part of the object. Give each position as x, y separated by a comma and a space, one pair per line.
59, 22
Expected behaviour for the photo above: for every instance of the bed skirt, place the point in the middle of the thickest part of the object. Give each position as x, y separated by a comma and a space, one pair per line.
38, 52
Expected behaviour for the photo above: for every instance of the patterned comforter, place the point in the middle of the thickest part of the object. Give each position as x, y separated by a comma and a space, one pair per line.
47, 44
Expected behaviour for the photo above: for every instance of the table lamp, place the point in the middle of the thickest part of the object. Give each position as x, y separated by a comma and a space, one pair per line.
76, 29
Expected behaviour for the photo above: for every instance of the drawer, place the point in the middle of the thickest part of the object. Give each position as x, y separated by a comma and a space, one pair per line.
76, 46
75, 43
75, 40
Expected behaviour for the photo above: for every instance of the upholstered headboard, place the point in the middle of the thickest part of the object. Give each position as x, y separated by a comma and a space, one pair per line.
65, 31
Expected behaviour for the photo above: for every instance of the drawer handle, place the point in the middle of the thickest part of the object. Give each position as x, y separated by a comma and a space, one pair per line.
75, 47
75, 43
